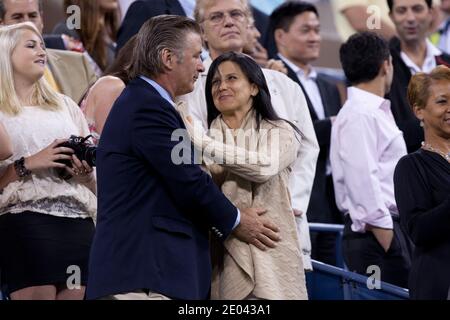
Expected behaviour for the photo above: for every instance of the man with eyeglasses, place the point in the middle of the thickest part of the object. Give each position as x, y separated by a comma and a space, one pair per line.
224, 26
141, 11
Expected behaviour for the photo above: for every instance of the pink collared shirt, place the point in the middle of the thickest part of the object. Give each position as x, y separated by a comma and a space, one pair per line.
366, 145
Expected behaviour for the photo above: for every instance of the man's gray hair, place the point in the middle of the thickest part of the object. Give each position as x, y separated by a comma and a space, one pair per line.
201, 5
3, 8
157, 34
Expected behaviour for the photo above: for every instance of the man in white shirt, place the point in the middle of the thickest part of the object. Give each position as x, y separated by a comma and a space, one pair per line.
224, 24
366, 145
297, 36
411, 52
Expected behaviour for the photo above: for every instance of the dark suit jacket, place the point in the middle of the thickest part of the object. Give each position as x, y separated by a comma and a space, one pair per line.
53, 41
261, 23
153, 215
142, 10
322, 206
404, 117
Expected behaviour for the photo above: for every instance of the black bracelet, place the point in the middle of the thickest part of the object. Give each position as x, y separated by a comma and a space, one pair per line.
19, 166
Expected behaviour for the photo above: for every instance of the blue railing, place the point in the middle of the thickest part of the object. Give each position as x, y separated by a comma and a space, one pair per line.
338, 229
327, 282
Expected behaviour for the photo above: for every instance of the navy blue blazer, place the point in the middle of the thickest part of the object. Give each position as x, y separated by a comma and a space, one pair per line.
154, 216
142, 10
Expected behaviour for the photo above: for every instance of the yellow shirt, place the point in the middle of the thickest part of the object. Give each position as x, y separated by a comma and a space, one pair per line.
51, 80
345, 29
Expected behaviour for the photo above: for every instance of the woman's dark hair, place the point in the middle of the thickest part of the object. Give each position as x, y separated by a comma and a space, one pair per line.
261, 102
121, 66
92, 32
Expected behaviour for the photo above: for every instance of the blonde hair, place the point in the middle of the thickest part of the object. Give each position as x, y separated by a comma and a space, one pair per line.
43, 95
419, 86
201, 5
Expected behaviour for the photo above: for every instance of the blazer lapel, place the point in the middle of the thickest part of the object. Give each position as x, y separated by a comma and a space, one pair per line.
291, 74
324, 96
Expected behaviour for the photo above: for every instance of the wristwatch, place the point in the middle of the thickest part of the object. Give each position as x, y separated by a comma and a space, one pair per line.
19, 166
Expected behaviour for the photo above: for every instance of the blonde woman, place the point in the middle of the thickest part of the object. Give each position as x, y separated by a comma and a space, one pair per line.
46, 222
5, 144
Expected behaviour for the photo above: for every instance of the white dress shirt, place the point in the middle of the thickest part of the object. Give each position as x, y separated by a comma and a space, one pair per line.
429, 62
308, 82
366, 145
289, 102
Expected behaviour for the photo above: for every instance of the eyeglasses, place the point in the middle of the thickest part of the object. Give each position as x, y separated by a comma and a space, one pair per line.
219, 17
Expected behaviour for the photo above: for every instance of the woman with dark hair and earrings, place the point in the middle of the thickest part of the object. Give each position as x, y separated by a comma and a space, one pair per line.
249, 151
422, 187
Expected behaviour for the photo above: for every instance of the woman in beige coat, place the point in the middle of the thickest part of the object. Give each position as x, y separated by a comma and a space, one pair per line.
249, 151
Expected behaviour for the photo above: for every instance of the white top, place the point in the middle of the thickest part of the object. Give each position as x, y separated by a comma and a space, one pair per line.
366, 145
44, 192
428, 64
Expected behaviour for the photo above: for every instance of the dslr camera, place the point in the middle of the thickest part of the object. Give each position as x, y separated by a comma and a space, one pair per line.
83, 149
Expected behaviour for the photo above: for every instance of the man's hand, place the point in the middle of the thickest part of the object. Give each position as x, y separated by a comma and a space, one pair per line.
276, 65
257, 230
383, 236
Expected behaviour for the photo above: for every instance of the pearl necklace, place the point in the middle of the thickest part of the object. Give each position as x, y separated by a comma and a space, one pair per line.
427, 146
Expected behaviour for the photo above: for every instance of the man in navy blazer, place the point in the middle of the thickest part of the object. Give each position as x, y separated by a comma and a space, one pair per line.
154, 216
